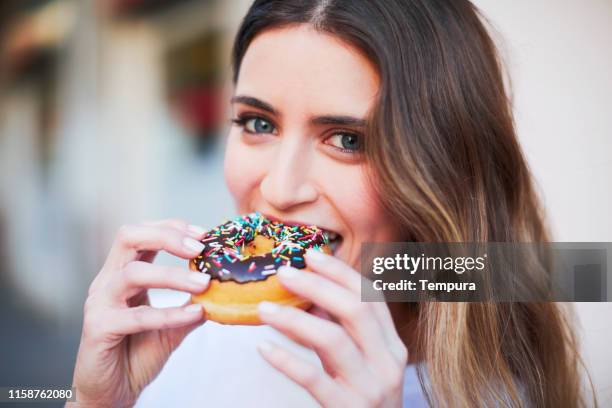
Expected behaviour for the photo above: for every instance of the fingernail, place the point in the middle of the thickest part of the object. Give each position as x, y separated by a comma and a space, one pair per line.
193, 308
199, 278
196, 230
267, 307
266, 346
315, 255
287, 272
193, 245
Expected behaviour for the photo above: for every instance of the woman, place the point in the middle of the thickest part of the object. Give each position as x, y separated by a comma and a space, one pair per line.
382, 121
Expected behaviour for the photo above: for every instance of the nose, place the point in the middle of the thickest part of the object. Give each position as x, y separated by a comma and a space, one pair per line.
288, 181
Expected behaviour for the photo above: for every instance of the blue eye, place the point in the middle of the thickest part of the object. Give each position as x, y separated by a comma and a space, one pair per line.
347, 142
255, 125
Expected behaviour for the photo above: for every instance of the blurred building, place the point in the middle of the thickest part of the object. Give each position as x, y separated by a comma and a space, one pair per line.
111, 112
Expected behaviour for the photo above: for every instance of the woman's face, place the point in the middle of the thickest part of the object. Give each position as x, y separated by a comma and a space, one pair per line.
294, 151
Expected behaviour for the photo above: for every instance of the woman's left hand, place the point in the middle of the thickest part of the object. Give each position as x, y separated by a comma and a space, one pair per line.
362, 355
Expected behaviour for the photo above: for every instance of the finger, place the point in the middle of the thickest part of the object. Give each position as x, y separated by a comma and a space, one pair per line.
134, 239
137, 276
341, 273
320, 313
144, 318
356, 316
330, 341
320, 385
195, 231
334, 269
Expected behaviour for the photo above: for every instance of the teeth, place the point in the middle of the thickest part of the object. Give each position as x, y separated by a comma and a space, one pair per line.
333, 246
332, 236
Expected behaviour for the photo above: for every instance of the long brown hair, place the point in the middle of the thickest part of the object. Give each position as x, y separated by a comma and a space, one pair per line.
444, 157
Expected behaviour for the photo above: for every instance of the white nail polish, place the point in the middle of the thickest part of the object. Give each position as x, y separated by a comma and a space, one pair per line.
193, 245
315, 255
287, 272
200, 278
196, 230
267, 307
193, 308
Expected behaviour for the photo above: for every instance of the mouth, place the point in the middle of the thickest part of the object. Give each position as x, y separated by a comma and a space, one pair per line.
335, 238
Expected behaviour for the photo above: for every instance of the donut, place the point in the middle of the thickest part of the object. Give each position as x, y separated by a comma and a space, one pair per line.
242, 257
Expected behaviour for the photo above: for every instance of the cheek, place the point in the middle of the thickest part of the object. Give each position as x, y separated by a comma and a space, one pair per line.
356, 201
242, 169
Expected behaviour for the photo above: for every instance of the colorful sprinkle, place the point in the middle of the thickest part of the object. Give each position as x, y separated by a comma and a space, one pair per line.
226, 244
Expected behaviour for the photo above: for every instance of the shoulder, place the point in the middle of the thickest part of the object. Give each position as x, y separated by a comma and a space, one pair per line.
414, 397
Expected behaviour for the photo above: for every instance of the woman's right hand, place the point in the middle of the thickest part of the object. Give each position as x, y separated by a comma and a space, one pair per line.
125, 342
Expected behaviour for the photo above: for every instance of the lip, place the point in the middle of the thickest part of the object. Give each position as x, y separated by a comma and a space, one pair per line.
292, 222
286, 222
298, 223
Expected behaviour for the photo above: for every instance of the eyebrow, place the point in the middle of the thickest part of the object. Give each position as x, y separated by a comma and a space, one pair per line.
336, 120
256, 103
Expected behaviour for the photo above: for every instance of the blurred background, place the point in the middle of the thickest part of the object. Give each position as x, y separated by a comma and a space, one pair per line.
111, 112
114, 112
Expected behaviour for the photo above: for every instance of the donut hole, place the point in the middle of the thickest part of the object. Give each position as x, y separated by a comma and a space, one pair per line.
260, 245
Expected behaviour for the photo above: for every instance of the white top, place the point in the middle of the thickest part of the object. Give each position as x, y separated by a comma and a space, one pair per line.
219, 366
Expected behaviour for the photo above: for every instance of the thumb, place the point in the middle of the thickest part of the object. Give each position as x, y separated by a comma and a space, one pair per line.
173, 337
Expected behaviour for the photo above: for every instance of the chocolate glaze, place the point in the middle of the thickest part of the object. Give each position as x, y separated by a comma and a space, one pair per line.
224, 259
